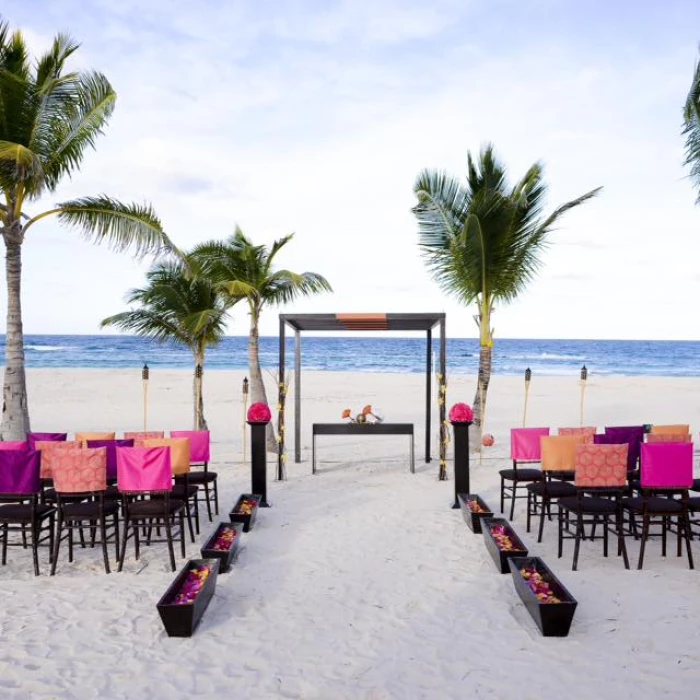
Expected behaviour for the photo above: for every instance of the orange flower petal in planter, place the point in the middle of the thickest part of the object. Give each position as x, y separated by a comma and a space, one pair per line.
474, 510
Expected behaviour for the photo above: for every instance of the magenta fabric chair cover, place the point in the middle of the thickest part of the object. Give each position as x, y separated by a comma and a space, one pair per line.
111, 446
667, 465
14, 445
199, 444
144, 469
19, 472
633, 435
45, 437
525, 444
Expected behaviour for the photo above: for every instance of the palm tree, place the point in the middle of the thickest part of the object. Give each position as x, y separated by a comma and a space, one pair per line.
176, 307
48, 119
691, 129
482, 241
244, 271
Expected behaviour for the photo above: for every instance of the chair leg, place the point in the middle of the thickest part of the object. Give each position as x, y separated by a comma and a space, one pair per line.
605, 533
529, 510
169, 536
70, 543
189, 520
57, 543
123, 548
621, 545
103, 534
645, 534
5, 534
208, 500
51, 536
577, 540
544, 507
686, 530
216, 497
503, 484
116, 536
35, 548
182, 533
196, 513
512, 499
664, 529
560, 533
135, 528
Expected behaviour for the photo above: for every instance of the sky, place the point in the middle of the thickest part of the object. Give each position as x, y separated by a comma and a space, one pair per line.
317, 117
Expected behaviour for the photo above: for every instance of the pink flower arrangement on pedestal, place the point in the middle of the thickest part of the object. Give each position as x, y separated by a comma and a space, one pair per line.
259, 413
461, 413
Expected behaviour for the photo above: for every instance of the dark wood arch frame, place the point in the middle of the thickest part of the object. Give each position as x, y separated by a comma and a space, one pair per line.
361, 322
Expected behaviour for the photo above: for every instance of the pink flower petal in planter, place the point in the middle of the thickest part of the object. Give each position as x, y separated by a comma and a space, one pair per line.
191, 585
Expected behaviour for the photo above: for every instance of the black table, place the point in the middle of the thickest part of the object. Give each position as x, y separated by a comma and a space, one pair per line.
362, 429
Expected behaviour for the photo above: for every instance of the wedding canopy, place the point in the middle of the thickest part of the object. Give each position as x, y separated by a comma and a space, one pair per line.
359, 322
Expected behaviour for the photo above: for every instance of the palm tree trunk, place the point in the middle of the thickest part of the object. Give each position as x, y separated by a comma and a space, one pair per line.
199, 421
482, 387
15, 413
257, 386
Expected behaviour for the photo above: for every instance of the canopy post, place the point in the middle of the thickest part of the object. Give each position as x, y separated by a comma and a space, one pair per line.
281, 402
428, 390
297, 396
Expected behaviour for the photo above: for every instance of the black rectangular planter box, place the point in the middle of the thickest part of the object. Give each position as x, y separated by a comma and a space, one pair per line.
182, 620
473, 519
553, 619
248, 520
499, 556
225, 556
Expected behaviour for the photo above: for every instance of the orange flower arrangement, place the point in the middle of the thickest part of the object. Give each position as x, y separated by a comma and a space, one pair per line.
367, 415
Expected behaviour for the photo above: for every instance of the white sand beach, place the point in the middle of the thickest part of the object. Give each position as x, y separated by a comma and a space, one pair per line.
360, 581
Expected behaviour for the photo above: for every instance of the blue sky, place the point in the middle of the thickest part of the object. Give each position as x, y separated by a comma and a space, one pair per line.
316, 117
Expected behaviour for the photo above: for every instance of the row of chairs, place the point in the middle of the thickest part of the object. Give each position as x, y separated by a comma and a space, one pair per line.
81, 495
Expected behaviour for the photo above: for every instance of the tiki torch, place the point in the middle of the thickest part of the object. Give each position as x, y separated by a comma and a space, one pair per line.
245, 417
584, 379
528, 377
198, 371
144, 382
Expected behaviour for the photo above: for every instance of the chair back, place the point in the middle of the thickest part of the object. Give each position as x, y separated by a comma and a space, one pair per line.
667, 465
18, 445
678, 429
601, 466
588, 432
82, 438
179, 453
80, 470
33, 438
199, 444
669, 437
141, 469
559, 452
525, 444
111, 447
139, 437
19, 472
633, 435
50, 452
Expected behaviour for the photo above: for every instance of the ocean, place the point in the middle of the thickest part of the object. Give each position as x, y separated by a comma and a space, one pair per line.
377, 354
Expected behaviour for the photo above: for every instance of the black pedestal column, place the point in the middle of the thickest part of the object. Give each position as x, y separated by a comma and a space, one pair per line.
258, 460
461, 441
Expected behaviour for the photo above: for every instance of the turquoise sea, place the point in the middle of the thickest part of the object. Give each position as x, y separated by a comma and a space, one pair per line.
378, 354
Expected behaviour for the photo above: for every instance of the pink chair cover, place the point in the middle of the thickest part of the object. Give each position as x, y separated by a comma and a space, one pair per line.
49, 452
80, 470
525, 444
667, 465
599, 466
21, 445
19, 472
144, 469
587, 431
199, 444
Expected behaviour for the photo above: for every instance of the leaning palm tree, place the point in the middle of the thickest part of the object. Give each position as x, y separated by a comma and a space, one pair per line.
245, 271
175, 307
482, 241
49, 117
691, 129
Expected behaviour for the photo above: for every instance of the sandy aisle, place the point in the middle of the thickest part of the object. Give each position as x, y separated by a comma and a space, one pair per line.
360, 582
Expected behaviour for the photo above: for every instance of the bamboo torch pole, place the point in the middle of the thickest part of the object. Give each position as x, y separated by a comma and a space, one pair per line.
584, 379
245, 418
144, 381
482, 415
528, 377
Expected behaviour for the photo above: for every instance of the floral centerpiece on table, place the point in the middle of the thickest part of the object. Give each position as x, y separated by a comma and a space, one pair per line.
367, 415
192, 585
538, 585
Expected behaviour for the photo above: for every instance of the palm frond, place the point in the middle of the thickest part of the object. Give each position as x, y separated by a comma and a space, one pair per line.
122, 226
691, 129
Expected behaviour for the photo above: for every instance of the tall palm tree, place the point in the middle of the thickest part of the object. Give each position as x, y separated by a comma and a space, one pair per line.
482, 241
49, 117
691, 129
245, 271
176, 307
